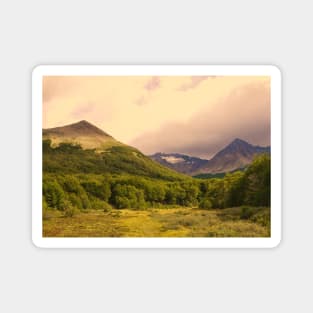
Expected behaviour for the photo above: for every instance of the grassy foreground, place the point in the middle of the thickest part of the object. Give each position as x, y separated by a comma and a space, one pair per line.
174, 222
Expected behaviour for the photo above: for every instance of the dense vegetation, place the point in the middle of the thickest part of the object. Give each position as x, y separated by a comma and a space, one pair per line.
72, 159
121, 177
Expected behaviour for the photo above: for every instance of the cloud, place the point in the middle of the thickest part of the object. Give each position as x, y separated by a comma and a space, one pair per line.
163, 118
193, 83
56, 86
152, 84
83, 110
243, 113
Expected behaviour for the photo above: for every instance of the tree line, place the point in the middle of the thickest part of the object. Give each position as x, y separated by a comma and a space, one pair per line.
96, 191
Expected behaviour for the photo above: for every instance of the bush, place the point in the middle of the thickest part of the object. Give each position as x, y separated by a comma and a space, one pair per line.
262, 218
246, 213
75, 201
122, 202
45, 213
205, 204
69, 209
54, 194
107, 207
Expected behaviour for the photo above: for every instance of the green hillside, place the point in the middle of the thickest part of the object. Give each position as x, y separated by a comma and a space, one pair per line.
67, 158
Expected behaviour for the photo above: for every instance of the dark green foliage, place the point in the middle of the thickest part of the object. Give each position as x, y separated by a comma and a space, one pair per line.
54, 194
216, 175
234, 189
101, 190
126, 196
45, 213
249, 187
208, 175
205, 203
258, 182
246, 213
69, 209
106, 207
262, 218
71, 184
175, 194
191, 194
84, 179
75, 200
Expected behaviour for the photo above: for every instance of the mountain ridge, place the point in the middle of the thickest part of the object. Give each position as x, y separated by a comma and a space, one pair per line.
236, 155
84, 148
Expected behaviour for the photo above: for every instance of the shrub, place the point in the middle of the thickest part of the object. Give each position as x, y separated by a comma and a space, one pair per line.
69, 209
107, 207
262, 218
75, 201
246, 213
53, 194
205, 204
45, 213
122, 202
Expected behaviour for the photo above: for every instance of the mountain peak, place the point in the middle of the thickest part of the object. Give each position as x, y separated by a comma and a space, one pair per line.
238, 141
82, 132
83, 122
82, 127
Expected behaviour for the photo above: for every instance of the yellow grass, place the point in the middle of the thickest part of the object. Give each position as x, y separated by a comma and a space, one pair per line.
177, 222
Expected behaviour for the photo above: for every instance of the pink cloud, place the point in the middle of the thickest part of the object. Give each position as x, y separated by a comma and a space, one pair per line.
152, 84
193, 83
83, 110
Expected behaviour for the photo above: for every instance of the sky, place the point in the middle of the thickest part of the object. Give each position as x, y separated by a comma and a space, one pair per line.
194, 115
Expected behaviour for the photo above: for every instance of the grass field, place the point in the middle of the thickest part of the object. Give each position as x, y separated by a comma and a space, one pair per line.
174, 222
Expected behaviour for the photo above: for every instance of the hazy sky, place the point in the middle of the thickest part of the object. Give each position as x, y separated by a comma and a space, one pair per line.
193, 115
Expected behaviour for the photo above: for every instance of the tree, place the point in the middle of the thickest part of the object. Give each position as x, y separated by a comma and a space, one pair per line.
234, 189
53, 194
258, 182
127, 196
101, 190
191, 194
205, 203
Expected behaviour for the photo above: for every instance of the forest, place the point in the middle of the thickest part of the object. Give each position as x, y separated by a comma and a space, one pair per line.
70, 191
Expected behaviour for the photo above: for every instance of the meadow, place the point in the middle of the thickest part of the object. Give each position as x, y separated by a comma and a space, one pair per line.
156, 222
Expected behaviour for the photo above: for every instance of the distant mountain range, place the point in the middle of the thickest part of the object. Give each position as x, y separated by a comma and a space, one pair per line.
180, 162
113, 156
238, 154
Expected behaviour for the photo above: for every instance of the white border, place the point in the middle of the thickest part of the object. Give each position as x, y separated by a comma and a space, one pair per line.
160, 70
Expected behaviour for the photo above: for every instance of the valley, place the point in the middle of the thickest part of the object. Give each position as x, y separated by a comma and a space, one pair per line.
96, 186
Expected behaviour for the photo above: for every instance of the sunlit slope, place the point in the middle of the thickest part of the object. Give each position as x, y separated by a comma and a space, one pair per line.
84, 148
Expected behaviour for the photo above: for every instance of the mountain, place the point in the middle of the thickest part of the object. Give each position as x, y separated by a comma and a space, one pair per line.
84, 148
179, 162
237, 155
83, 133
